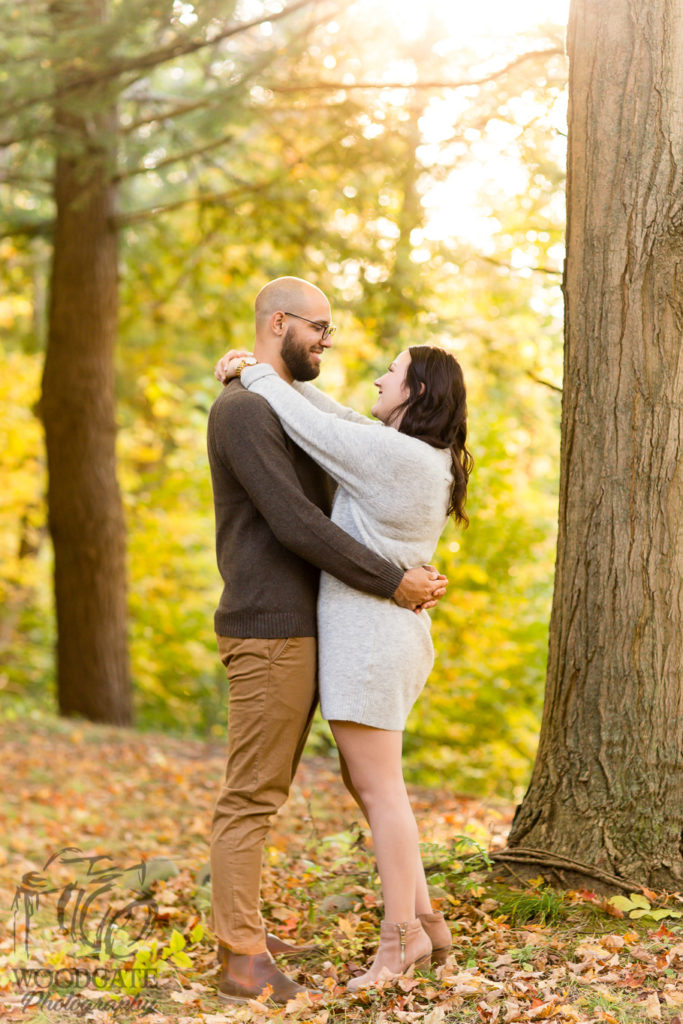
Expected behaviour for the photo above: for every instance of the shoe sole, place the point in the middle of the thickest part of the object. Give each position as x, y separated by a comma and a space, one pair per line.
225, 998
420, 964
233, 999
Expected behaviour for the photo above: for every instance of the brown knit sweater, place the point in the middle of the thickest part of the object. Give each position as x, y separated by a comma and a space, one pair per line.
273, 535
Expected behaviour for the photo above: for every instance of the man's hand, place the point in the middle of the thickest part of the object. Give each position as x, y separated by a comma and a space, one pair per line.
222, 370
420, 588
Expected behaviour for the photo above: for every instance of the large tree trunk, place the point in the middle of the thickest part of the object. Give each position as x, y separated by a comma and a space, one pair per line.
607, 786
78, 401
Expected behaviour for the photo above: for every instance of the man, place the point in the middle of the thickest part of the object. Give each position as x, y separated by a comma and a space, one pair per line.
273, 536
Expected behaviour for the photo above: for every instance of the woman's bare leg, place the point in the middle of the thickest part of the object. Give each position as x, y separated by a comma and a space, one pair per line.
372, 759
346, 779
423, 904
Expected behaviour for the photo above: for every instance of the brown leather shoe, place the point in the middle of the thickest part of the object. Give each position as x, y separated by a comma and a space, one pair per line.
277, 947
285, 949
245, 977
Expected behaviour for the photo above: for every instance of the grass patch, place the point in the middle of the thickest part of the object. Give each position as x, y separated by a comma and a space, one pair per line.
542, 906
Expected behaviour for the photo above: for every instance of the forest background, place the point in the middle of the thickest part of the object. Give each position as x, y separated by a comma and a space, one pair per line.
342, 144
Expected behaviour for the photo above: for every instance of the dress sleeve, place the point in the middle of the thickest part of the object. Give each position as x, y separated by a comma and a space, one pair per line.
321, 400
361, 457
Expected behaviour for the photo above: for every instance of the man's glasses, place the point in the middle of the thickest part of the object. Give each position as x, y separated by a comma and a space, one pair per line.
327, 329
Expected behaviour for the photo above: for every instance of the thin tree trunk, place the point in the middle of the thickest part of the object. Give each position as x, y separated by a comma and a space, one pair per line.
607, 786
78, 402
403, 280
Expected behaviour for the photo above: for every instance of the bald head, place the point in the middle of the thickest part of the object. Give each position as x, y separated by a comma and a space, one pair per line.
291, 317
290, 294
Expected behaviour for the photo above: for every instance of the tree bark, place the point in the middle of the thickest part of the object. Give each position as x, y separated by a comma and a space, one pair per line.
607, 786
78, 400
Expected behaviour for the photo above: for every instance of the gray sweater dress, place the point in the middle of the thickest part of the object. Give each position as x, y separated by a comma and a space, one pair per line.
374, 657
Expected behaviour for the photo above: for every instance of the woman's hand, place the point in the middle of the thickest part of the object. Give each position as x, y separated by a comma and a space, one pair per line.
224, 369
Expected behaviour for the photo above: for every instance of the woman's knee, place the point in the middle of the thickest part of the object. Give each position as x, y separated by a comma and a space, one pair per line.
370, 760
383, 792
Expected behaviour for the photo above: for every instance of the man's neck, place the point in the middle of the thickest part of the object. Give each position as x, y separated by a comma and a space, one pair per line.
265, 354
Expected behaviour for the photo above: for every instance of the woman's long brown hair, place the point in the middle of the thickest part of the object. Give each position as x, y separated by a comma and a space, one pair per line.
436, 412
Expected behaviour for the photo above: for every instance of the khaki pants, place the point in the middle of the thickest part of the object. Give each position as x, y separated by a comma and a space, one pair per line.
272, 698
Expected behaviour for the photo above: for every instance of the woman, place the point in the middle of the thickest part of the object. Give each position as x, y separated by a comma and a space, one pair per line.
399, 480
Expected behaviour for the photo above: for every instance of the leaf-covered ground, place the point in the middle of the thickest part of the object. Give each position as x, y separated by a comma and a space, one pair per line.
101, 801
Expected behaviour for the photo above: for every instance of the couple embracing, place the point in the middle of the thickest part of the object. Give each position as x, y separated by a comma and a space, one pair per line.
328, 590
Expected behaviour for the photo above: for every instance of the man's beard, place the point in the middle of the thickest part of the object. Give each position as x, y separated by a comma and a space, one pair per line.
297, 357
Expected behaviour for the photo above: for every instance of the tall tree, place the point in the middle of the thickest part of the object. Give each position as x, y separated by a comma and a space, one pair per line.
606, 794
78, 401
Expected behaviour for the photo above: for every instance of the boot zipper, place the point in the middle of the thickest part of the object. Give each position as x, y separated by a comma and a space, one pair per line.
402, 932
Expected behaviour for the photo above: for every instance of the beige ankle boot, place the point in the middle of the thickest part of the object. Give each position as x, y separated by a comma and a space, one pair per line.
400, 945
440, 934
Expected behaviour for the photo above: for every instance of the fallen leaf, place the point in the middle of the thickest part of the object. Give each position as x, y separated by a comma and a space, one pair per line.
184, 997
408, 984
567, 1010
302, 1001
512, 1013
609, 908
434, 1016
348, 926
591, 950
542, 1012
652, 1006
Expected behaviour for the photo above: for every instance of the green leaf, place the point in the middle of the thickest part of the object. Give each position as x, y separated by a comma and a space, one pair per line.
639, 901
177, 941
621, 902
181, 959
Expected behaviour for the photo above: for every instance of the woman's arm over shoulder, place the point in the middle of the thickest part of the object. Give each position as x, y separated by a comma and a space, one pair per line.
357, 455
321, 400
